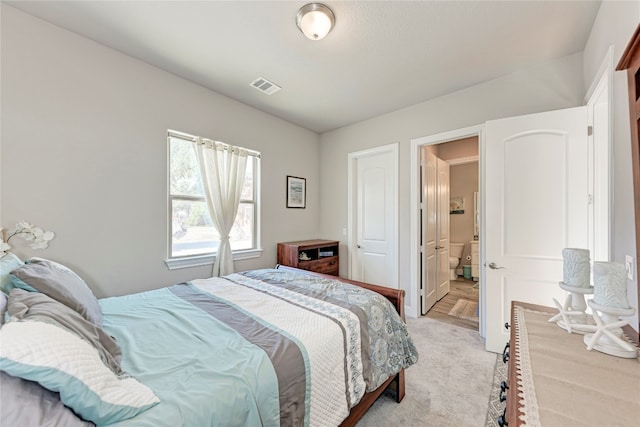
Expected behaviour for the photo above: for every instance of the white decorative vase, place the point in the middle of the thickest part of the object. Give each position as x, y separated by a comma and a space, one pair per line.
576, 267
576, 274
609, 303
610, 284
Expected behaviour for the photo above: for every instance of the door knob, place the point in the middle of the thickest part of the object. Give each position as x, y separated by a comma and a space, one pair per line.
494, 266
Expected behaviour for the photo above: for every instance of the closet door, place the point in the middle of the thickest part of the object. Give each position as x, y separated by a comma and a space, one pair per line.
373, 197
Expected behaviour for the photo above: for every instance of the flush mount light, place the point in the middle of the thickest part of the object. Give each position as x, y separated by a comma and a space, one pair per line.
315, 20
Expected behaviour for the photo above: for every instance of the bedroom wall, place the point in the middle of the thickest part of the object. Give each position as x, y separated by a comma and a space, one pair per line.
84, 154
614, 26
541, 87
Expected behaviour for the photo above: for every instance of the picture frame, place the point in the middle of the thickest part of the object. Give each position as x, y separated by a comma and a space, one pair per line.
296, 192
456, 205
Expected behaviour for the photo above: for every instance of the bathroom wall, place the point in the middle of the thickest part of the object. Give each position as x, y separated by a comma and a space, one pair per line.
466, 148
462, 155
463, 183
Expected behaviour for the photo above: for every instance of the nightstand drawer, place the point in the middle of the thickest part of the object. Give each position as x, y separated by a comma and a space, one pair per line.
328, 265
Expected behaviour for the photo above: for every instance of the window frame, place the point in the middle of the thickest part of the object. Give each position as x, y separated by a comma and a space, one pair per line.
185, 261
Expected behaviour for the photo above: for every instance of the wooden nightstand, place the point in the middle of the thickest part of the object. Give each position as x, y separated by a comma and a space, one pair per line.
317, 255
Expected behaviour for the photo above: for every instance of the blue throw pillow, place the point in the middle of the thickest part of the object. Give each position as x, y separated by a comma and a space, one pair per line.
8, 263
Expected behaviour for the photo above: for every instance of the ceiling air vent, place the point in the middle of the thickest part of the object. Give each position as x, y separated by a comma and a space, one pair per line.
264, 85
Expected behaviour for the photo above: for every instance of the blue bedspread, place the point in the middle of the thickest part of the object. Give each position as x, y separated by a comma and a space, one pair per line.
200, 381
265, 347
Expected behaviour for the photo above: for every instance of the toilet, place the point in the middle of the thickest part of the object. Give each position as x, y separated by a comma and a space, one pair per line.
455, 253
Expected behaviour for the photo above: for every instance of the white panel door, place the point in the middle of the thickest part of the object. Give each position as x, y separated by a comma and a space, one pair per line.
536, 204
443, 186
375, 179
429, 260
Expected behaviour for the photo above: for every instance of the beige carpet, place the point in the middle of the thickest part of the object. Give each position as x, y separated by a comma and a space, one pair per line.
465, 309
449, 386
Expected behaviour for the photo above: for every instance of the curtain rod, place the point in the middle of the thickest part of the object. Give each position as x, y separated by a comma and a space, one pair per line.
192, 138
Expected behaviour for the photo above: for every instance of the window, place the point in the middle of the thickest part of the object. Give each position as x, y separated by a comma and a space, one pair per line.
192, 234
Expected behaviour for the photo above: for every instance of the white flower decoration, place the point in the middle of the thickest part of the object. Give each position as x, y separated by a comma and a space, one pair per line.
38, 237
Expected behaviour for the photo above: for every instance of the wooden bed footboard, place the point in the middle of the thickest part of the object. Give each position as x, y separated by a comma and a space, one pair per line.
396, 297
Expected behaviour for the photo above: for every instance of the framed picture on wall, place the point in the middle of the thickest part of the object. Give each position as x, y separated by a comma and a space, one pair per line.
456, 205
296, 192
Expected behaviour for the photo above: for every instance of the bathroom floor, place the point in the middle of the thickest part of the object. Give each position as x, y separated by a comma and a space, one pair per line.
460, 289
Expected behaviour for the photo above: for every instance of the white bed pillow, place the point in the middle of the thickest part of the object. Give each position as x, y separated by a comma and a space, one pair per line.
62, 361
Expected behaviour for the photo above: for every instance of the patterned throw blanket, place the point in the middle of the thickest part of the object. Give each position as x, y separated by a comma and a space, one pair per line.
328, 341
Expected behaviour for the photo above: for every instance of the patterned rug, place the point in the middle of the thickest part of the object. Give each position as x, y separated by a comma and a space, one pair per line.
465, 309
496, 408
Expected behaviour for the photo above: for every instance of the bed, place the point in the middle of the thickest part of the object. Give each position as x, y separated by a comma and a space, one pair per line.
264, 347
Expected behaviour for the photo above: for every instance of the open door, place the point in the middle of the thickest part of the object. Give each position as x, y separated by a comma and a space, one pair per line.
429, 235
536, 204
444, 282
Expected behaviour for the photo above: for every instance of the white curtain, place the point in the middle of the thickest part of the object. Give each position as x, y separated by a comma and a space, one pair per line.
223, 169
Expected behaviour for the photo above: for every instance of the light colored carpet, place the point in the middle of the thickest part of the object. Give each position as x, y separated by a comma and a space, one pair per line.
465, 309
449, 386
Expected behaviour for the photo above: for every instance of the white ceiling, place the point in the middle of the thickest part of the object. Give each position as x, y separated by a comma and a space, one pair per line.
380, 57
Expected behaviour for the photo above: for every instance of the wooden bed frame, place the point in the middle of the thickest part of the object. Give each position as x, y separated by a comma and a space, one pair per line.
396, 297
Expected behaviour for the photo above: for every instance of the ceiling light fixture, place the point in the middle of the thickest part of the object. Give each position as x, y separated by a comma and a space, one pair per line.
315, 20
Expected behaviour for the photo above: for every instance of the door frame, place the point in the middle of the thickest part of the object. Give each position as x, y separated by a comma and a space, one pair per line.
352, 195
413, 309
601, 166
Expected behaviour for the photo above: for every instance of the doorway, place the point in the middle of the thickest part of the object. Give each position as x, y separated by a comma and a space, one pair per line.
449, 232
474, 132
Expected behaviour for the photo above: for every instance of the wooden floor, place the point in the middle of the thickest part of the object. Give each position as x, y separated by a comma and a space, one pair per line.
460, 289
